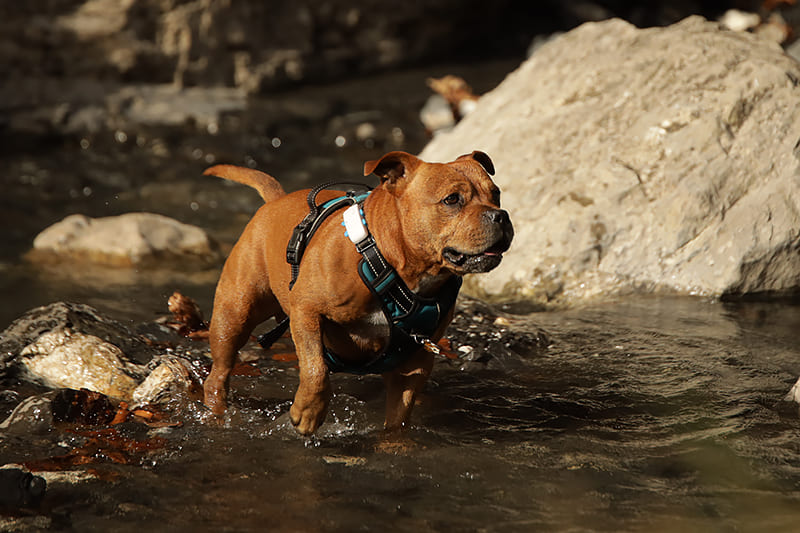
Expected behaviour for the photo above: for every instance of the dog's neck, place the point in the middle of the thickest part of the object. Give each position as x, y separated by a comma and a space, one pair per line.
420, 274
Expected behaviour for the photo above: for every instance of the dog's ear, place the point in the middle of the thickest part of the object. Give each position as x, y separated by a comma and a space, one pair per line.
392, 166
482, 159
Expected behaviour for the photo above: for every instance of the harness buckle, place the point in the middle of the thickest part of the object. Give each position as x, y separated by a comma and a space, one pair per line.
296, 246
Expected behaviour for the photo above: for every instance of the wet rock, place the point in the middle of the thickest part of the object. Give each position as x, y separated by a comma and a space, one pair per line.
453, 100
73, 346
481, 336
794, 393
173, 106
661, 159
69, 359
33, 416
170, 378
20, 489
253, 46
139, 239
437, 115
59, 316
187, 317
738, 20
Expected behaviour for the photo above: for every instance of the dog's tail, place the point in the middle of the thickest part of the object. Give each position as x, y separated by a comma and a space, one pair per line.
267, 186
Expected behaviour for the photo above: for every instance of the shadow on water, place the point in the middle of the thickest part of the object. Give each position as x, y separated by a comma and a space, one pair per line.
656, 414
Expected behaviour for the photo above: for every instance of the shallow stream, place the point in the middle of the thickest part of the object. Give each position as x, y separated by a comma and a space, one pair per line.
648, 414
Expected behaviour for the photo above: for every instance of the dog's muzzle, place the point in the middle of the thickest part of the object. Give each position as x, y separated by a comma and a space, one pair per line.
500, 233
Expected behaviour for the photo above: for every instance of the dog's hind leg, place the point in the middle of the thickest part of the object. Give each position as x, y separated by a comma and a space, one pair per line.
235, 316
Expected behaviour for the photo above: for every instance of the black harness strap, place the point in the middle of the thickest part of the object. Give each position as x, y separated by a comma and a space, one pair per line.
302, 235
311, 222
385, 278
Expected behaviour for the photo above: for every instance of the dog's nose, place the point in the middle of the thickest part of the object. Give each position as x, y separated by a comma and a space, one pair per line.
497, 216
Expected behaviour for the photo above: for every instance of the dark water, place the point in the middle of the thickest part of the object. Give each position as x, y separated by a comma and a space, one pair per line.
650, 414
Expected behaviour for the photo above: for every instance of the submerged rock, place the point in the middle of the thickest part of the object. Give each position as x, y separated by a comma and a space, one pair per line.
125, 240
660, 159
32, 416
19, 488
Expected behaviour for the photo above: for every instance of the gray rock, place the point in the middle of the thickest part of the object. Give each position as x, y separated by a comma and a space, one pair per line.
172, 106
661, 159
73, 346
125, 240
58, 316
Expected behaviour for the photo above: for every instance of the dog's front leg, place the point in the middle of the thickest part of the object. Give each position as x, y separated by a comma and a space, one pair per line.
314, 393
402, 387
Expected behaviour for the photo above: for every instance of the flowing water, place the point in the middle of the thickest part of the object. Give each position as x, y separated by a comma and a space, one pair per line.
647, 414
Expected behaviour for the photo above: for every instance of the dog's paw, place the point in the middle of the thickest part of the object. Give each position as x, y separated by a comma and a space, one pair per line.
215, 398
308, 418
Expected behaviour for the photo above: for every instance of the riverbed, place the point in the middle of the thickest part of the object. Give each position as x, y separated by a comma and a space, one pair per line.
651, 413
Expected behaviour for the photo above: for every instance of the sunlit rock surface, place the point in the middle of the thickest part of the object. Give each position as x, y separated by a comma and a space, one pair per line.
661, 159
73, 346
125, 240
68, 359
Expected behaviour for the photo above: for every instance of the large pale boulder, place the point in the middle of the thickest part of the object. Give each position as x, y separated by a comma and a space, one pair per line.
660, 159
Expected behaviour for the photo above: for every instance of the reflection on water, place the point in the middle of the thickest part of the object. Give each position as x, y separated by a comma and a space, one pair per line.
655, 414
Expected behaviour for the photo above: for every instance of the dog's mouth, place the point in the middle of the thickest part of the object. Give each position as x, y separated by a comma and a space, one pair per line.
480, 262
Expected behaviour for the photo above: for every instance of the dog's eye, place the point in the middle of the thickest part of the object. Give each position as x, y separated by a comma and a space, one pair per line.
452, 199
496, 197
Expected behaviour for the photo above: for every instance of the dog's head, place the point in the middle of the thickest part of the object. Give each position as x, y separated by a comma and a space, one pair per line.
450, 211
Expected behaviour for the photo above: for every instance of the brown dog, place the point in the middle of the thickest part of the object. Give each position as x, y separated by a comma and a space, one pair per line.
430, 221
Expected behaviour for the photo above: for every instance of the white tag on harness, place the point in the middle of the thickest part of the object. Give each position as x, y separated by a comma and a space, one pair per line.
356, 230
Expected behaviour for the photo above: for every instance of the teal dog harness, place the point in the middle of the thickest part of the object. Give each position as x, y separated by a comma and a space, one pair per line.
413, 320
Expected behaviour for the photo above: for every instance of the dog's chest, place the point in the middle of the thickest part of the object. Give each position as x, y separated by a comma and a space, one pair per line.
371, 327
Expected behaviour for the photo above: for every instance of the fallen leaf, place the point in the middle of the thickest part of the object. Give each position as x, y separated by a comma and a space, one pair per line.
122, 414
446, 348
245, 369
141, 413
